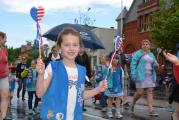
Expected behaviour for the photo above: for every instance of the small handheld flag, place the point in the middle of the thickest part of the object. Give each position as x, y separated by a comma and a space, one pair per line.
117, 42
118, 45
37, 15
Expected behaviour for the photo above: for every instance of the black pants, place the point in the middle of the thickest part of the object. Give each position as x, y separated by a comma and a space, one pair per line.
174, 96
31, 94
21, 86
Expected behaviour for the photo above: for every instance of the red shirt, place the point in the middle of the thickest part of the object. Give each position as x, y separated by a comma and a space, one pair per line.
176, 73
3, 63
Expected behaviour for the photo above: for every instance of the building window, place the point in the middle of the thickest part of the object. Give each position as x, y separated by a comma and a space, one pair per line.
144, 23
145, 1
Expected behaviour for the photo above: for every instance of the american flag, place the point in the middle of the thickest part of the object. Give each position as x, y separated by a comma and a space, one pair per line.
40, 13
119, 42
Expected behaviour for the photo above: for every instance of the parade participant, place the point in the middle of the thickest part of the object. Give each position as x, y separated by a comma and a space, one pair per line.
123, 62
83, 59
31, 88
54, 55
143, 71
12, 82
175, 61
115, 90
99, 76
4, 79
62, 97
170, 107
21, 78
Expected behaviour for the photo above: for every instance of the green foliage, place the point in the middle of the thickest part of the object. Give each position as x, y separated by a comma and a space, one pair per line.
31, 56
13, 54
164, 27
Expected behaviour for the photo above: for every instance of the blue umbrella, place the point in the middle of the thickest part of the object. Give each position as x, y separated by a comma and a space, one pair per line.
90, 40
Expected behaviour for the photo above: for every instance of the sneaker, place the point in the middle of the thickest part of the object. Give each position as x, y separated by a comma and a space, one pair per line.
109, 114
84, 109
103, 109
7, 118
118, 115
30, 112
126, 105
36, 110
170, 108
153, 113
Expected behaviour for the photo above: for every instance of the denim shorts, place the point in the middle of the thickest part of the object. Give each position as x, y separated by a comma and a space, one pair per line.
4, 83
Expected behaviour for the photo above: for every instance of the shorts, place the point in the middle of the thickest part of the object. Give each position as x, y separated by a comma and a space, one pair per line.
4, 83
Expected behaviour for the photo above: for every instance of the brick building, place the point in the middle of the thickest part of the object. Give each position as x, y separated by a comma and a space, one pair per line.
136, 23
25, 49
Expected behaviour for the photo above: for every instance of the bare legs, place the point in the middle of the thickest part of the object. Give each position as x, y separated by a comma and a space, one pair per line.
140, 92
137, 95
150, 98
175, 114
4, 102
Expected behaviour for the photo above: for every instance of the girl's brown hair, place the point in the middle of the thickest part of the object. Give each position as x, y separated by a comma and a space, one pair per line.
2, 34
68, 31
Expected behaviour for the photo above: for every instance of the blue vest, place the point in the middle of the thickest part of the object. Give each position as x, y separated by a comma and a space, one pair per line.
54, 102
117, 80
31, 79
114, 80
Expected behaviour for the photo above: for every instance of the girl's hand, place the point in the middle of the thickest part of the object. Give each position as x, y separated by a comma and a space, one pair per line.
40, 66
103, 85
172, 58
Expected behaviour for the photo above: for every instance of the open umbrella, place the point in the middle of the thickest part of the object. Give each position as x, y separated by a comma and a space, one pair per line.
90, 40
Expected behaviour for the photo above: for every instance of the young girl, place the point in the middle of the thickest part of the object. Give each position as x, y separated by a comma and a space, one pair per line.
12, 81
114, 90
61, 85
31, 88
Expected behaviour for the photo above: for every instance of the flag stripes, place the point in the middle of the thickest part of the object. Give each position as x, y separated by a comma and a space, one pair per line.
40, 13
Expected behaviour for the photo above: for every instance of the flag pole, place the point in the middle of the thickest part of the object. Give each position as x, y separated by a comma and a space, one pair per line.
121, 47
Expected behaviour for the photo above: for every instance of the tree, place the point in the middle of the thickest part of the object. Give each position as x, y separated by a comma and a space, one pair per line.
13, 54
31, 56
164, 27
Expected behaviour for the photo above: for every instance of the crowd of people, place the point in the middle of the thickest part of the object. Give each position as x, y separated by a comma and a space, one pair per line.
60, 80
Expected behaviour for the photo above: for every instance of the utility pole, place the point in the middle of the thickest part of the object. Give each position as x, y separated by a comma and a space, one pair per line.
121, 18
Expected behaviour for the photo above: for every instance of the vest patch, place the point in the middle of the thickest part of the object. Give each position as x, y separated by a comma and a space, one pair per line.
59, 116
50, 114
